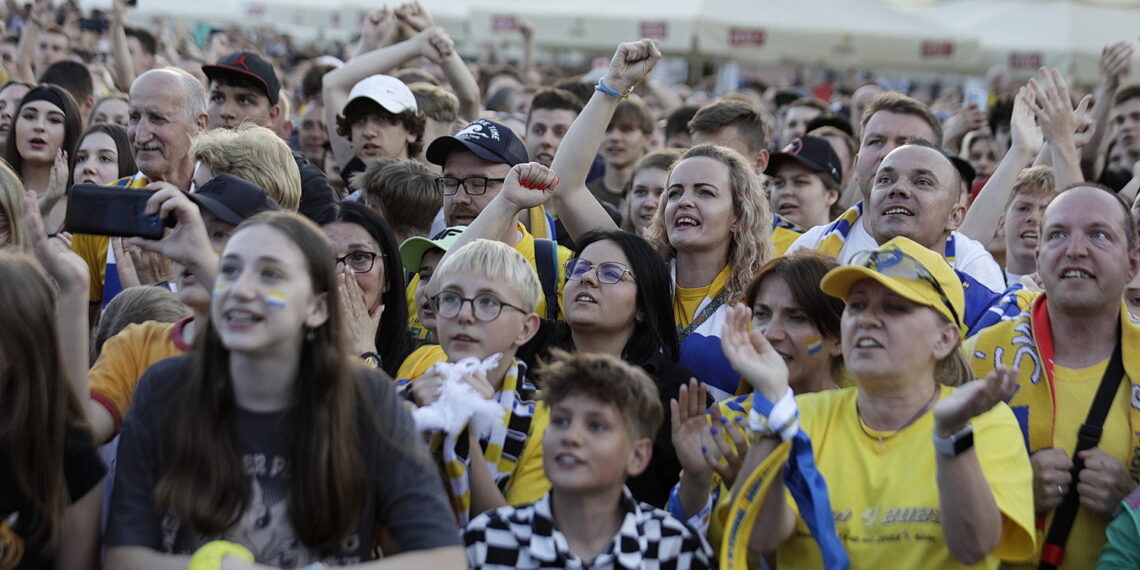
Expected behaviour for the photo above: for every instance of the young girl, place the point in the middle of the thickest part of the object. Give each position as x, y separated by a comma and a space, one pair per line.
51, 477
45, 127
267, 443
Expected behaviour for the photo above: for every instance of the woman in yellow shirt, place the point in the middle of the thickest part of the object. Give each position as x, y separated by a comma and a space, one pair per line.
897, 500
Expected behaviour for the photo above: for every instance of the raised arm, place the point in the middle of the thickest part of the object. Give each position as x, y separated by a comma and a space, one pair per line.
465, 86
339, 82
1025, 142
1054, 111
124, 70
971, 520
70, 272
1115, 60
763, 368
579, 211
527, 185
24, 69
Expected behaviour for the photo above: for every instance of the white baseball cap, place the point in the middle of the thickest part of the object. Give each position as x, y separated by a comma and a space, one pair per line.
386, 91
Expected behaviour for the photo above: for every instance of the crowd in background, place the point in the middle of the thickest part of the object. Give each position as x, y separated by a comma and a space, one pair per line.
400, 308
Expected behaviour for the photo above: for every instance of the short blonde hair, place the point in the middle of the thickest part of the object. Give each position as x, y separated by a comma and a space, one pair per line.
495, 261
254, 154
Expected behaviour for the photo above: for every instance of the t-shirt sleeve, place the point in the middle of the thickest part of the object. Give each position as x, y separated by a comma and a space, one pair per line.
1122, 551
115, 373
133, 520
529, 482
411, 500
1007, 470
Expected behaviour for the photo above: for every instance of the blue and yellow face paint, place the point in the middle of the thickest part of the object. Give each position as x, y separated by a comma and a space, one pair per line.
814, 345
275, 299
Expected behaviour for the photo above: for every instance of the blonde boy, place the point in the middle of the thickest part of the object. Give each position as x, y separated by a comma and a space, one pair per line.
484, 295
603, 415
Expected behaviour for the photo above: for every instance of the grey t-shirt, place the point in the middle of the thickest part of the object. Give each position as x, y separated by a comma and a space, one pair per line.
406, 495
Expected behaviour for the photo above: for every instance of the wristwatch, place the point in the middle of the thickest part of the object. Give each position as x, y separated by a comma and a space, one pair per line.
956, 443
371, 359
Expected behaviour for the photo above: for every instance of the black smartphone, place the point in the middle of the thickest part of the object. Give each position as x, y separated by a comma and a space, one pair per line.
132, 3
112, 211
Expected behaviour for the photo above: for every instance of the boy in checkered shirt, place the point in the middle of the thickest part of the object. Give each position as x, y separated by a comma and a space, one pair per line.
603, 414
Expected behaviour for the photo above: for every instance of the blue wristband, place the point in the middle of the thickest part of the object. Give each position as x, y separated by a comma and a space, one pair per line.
601, 86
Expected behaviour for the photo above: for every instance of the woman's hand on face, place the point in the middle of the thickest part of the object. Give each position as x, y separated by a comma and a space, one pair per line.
528, 185
751, 355
57, 177
973, 399
360, 323
690, 430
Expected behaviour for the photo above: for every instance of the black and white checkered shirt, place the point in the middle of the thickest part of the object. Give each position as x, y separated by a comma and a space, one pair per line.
525, 537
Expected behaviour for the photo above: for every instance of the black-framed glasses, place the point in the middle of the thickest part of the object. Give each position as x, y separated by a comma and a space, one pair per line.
608, 271
485, 307
473, 185
897, 263
359, 261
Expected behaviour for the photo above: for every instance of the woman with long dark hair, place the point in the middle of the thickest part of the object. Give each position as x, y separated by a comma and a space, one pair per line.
267, 442
375, 308
44, 129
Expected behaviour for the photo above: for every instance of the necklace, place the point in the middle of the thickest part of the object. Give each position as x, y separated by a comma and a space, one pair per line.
881, 441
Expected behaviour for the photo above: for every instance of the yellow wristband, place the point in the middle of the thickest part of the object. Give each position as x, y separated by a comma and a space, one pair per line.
209, 557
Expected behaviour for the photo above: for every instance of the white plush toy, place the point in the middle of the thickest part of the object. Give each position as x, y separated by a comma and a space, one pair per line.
459, 404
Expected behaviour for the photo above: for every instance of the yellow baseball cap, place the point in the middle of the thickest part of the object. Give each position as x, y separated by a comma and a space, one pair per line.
914, 272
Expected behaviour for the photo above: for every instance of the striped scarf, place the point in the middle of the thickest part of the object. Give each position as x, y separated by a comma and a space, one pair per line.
835, 234
501, 450
1025, 342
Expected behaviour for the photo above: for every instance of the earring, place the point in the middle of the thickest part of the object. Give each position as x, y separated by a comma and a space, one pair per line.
310, 335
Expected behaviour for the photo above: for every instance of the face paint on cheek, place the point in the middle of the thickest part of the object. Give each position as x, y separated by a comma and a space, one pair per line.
814, 345
220, 287
276, 299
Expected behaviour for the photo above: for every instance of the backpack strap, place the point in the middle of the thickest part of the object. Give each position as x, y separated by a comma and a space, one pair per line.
546, 261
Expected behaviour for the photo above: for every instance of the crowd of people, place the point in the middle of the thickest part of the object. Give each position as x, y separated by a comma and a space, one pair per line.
409, 310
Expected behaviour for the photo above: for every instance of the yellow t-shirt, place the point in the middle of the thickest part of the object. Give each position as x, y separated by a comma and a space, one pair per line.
420, 360
686, 300
1076, 389
782, 239
885, 500
93, 250
126, 356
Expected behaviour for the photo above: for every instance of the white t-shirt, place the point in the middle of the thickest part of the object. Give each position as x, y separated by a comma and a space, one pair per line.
970, 256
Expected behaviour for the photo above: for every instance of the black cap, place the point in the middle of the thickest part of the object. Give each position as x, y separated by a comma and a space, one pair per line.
250, 66
232, 199
812, 152
965, 170
488, 140
830, 119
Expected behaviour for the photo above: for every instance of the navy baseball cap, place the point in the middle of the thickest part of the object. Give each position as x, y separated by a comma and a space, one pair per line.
250, 66
486, 139
232, 199
813, 152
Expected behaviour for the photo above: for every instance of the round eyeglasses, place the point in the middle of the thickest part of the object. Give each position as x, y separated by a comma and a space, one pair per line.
358, 261
608, 271
485, 307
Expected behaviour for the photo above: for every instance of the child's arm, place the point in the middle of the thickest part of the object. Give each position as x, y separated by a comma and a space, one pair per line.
485, 495
579, 211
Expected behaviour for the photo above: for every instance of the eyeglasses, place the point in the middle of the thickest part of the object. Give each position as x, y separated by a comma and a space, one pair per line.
359, 261
473, 185
485, 307
897, 263
608, 271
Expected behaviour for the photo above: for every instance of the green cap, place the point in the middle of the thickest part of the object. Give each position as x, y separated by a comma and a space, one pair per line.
413, 249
